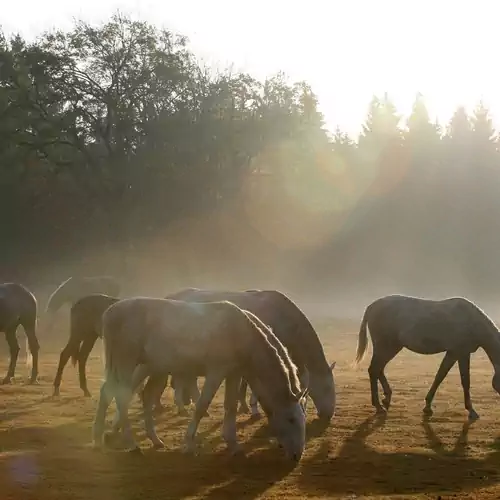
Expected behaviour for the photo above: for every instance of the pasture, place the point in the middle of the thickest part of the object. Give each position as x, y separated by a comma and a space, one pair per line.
45, 442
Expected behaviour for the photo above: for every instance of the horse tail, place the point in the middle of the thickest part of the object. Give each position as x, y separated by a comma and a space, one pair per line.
103, 355
363, 338
29, 356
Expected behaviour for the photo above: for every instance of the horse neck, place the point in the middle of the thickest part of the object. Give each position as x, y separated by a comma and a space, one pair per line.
491, 347
311, 346
491, 340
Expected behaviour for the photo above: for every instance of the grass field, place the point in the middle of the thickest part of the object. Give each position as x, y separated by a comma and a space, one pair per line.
45, 442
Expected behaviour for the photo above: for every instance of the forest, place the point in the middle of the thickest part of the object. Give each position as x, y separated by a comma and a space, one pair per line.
121, 153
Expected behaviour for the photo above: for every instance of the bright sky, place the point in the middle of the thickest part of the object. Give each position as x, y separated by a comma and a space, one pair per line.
347, 50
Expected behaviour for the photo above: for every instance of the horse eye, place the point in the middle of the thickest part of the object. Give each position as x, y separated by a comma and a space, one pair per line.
291, 420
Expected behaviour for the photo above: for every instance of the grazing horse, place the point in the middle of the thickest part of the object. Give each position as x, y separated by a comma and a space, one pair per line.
454, 325
216, 339
18, 306
292, 328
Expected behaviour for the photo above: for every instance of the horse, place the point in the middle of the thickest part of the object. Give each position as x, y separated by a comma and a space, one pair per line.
453, 325
18, 306
292, 328
217, 339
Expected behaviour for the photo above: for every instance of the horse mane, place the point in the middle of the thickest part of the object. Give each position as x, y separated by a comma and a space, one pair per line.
279, 366
280, 349
313, 344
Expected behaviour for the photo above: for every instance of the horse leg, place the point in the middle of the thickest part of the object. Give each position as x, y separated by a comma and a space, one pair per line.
242, 396
180, 390
138, 377
254, 406
123, 397
148, 398
445, 366
83, 356
72, 345
231, 391
34, 346
389, 355
194, 392
158, 407
105, 398
213, 381
464, 367
382, 354
10, 335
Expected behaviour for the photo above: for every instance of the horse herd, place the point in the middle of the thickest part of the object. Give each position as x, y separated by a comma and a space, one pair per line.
255, 338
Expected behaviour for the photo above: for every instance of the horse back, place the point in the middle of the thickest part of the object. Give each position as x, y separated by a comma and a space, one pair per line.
422, 325
191, 331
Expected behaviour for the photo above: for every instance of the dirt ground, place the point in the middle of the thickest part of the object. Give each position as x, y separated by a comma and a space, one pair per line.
45, 442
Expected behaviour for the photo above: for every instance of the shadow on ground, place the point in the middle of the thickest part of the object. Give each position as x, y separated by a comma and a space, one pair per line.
37, 462
359, 469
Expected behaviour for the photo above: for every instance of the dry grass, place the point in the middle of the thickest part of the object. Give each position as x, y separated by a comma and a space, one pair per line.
45, 453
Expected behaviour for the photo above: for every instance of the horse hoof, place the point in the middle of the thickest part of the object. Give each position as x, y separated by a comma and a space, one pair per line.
96, 447
386, 403
33, 381
55, 394
427, 411
158, 446
189, 449
235, 450
87, 394
473, 416
380, 411
136, 451
7, 380
110, 438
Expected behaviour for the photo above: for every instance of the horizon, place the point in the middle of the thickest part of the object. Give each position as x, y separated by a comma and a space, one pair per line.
343, 100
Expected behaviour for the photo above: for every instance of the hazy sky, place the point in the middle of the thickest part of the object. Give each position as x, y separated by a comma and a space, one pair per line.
347, 50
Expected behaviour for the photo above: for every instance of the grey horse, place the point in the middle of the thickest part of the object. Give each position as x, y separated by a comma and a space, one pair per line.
453, 325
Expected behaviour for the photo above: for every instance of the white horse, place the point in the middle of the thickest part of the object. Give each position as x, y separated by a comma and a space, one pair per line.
217, 340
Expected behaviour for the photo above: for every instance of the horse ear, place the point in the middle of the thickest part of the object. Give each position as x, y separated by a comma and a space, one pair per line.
332, 366
304, 394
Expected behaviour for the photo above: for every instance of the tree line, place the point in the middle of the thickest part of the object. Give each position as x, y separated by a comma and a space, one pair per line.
116, 143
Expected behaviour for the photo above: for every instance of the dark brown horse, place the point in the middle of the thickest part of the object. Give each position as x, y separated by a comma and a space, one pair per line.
85, 326
454, 325
18, 306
